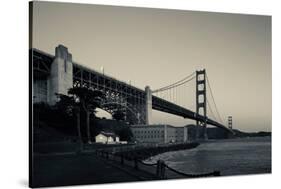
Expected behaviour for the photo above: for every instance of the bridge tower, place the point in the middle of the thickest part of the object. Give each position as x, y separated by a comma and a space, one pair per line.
201, 102
230, 122
148, 105
61, 74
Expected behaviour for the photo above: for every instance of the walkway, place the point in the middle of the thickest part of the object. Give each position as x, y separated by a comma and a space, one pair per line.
73, 169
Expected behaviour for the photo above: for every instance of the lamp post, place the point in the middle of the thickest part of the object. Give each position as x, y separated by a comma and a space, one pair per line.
102, 70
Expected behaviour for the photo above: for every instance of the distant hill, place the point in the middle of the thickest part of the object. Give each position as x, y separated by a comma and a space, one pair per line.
213, 132
251, 134
217, 133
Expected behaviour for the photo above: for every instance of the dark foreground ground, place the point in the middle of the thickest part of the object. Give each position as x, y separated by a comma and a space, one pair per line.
74, 169
61, 164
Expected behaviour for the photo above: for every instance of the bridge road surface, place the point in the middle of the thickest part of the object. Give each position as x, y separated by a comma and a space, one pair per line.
72, 169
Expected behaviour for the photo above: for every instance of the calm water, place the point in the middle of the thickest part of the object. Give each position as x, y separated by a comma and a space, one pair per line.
231, 157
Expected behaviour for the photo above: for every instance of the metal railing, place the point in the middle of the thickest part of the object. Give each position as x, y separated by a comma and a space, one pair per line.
158, 169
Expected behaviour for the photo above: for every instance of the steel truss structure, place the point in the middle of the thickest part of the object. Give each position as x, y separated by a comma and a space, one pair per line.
119, 95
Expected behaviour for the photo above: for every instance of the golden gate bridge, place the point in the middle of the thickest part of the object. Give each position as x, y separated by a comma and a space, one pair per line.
57, 73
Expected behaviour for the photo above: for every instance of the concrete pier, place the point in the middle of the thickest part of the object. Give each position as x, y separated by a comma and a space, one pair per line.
148, 105
61, 74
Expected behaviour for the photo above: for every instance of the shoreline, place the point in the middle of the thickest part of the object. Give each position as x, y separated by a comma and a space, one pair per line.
147, 152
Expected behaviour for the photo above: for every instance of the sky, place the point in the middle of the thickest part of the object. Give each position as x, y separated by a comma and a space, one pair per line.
157, 47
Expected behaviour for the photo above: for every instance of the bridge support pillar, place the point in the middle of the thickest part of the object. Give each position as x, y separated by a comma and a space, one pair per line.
61, 74
185, 134
201, 103
230, 135
230, 122
148, 105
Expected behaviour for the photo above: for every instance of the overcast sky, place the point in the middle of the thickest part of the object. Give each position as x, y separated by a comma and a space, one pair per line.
157, 47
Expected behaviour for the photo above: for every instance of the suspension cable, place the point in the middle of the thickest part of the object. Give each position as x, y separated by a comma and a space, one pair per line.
172, 85
210, 108
213, 99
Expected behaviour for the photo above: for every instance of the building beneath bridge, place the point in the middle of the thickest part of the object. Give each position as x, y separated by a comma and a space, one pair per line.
107, 138
159, 133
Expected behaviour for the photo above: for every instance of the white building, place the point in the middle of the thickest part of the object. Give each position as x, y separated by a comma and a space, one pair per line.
159, 133
107, 138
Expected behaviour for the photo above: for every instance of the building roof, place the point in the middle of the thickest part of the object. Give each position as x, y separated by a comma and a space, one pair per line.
108, 134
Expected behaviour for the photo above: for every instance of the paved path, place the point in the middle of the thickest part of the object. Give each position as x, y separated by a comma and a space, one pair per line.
73, 169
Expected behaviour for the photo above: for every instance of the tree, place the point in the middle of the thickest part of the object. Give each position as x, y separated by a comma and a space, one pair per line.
71, 107
125, 134
119, 115
88, 100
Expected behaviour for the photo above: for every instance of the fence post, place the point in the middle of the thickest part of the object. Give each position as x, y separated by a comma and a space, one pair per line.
136, 164
107, 157
158, 168
163, 170
122, 159
160, 171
